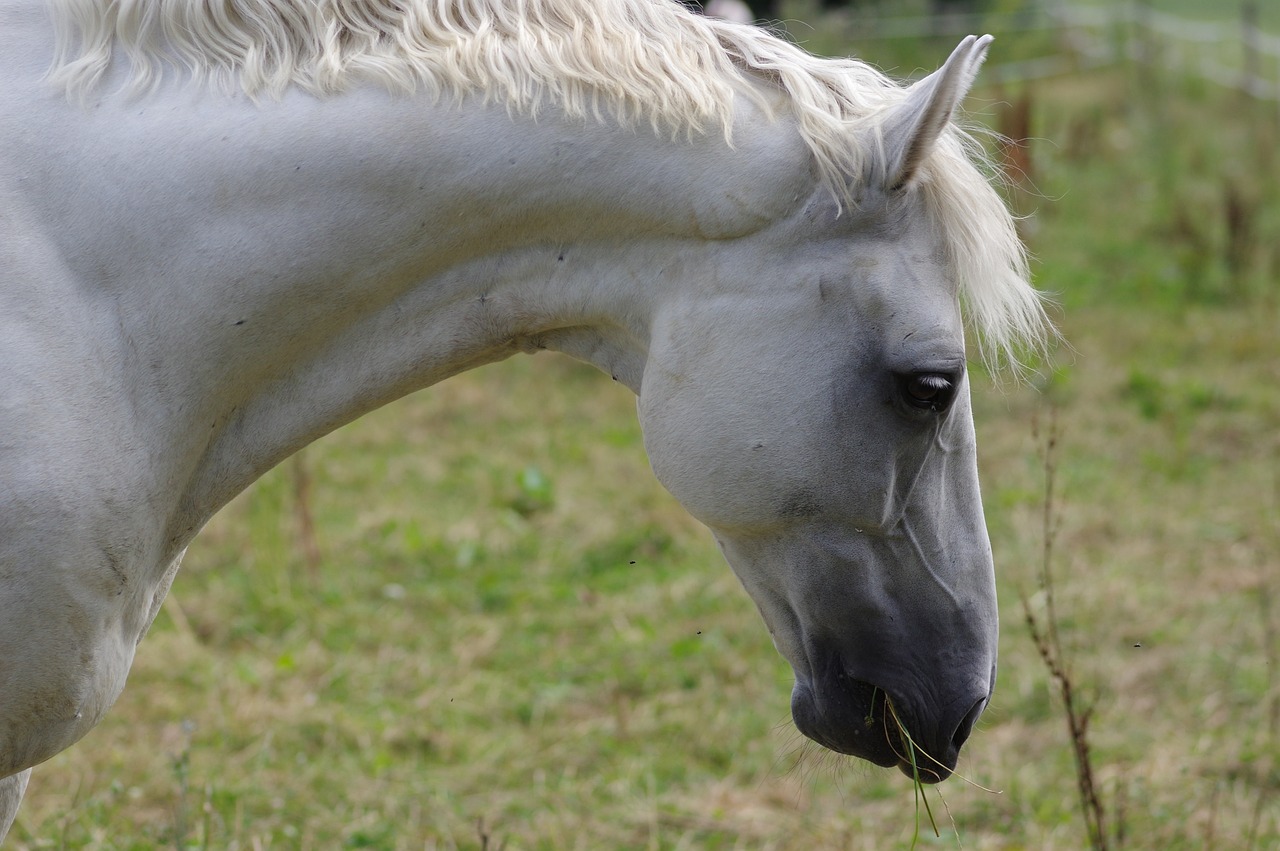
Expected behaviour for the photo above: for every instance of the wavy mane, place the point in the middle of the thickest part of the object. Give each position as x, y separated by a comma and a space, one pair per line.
634, 61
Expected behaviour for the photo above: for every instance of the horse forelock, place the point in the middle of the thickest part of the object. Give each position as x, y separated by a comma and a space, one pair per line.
987, 256
635, 61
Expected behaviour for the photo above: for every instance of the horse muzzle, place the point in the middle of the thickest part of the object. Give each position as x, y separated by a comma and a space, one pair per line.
860, 719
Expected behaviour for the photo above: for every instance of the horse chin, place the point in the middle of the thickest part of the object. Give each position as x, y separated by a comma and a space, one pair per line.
857, 721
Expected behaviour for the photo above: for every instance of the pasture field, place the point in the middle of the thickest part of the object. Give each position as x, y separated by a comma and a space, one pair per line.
510, 637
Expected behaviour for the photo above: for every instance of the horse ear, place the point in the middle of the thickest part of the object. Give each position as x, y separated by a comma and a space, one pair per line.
908, 134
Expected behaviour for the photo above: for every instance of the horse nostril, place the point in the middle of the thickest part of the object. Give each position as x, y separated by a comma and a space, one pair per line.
966, 723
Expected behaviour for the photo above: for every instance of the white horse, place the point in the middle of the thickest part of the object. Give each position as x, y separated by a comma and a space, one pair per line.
228, 227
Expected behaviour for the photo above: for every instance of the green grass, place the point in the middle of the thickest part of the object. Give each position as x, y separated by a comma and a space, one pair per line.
514, 637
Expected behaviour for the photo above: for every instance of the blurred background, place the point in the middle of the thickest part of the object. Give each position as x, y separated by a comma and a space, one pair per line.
474, 620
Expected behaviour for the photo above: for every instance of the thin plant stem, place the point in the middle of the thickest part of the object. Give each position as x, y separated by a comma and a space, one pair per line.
1048, 644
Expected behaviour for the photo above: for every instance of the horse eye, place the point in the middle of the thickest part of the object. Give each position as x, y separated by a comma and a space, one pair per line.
931, 391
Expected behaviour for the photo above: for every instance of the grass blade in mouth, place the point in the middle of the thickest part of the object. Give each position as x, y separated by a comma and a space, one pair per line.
910, 757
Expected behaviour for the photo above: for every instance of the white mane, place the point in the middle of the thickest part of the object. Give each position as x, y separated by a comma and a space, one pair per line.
629, 60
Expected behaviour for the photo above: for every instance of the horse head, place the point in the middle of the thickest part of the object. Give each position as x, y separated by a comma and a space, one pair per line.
811, 407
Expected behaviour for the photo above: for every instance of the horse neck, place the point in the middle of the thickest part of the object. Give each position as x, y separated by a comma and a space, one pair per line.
276, 271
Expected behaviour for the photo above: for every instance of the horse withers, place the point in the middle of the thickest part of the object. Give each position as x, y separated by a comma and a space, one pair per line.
224, 235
